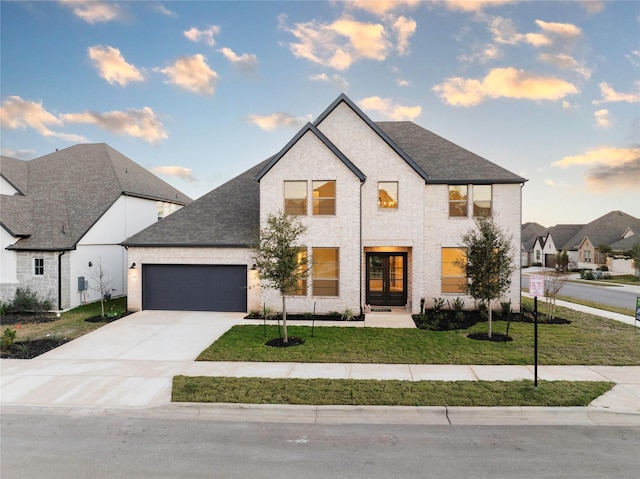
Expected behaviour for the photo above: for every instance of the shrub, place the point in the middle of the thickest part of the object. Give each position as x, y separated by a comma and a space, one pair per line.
348, 315
7, 339
27, 300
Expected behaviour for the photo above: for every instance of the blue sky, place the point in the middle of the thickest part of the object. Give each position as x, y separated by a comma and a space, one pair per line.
200, 91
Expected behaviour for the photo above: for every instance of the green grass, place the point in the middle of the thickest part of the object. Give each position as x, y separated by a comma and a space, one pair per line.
588, 340
390, 393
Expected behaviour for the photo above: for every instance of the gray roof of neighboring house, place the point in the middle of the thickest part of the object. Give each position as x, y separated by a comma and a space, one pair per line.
228, 216
68, 191
530, 232
608, 229
15, 172
561, 234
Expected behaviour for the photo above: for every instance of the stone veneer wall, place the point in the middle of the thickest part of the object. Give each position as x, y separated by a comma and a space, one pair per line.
45, 285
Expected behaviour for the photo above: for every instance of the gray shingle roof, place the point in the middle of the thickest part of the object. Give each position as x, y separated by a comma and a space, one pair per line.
15, 172
530, 232
228, 216
608, 229
71, 189
444, 161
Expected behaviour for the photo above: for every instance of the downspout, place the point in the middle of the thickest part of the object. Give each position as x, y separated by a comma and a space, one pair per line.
60, 280
520, 255
362, 299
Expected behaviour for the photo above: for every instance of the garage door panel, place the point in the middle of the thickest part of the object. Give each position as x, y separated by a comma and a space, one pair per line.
194, 287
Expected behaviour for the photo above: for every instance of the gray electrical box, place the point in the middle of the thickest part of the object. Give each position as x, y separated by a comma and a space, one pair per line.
83, 284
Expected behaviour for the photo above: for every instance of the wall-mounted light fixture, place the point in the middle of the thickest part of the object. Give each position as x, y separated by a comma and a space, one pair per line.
90, 264
133, 266
254, 267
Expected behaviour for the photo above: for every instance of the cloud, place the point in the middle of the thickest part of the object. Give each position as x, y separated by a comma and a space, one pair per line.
247, 62
634, 57
18, 113
504, 31
567, 30
162, 10
192, 74
204, 36
402, 82
404, 28
338, 44
609, 95
175, 172
609, 167
565, 62
503, 83
18, 154
112, 66
602, 118
142, 124
593, 6
481, 54
338, 81
92, 11
473, 6
381, 7
277, 120
388, 109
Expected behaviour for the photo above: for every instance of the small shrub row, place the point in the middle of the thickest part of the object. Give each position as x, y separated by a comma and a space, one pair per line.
25, 300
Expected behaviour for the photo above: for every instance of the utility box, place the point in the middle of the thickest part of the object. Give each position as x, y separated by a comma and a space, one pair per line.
83, 284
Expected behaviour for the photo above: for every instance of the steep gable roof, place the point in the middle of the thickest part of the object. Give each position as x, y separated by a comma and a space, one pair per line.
608, 229
529, 233
15, 173
71, 189
562, 235
310, 128
228, 216
443, 161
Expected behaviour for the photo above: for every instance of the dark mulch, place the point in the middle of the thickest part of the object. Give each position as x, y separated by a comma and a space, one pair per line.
495, 337
279, 343
445, 319
11, 319
31, 349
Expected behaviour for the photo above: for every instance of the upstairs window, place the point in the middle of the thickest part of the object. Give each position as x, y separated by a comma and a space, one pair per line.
38, 266
324, 197
458, 201
454, 279
325, 271
295, 197
482, 200
388, 194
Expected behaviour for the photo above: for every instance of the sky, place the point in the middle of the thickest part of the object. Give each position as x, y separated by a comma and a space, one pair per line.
199, 91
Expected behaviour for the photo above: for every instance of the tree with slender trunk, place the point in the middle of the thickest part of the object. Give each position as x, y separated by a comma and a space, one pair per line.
102, 284
488, 262
278, 258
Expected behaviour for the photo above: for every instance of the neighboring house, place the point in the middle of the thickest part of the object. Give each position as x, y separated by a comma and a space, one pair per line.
616, 229
64, 215
531, 232
385, 205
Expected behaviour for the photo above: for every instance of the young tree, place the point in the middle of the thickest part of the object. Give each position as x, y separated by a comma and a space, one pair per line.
489, 262
277, 257
102, 285
553, 283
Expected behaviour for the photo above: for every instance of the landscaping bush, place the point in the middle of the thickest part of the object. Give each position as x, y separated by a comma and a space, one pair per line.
26, 300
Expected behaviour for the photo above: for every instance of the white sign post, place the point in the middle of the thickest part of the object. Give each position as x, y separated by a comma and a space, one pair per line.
536, 288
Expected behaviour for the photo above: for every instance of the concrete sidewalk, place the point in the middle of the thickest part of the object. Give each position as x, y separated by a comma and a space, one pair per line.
129, 364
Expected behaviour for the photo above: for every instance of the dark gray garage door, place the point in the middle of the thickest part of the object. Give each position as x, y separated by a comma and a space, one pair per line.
194, 287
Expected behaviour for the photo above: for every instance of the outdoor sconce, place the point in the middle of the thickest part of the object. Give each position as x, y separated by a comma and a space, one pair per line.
90, 264
254, 268
133, 266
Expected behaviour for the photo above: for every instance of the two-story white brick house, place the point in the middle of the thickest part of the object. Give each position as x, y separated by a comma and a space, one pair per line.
385, 205
64, 215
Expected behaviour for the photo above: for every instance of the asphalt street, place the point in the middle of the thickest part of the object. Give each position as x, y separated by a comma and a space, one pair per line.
141, 444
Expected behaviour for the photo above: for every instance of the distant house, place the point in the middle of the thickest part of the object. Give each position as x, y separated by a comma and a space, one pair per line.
64, 215
531, 232
616, 229
385, 205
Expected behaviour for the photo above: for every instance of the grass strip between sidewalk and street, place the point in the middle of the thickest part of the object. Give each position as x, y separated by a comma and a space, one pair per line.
351, 392
587, 339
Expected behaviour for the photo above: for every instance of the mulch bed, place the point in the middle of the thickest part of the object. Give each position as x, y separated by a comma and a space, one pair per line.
31, 349
308, 317
279, 343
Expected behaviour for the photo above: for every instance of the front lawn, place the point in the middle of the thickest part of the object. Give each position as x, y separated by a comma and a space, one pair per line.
352, 392
587, 339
